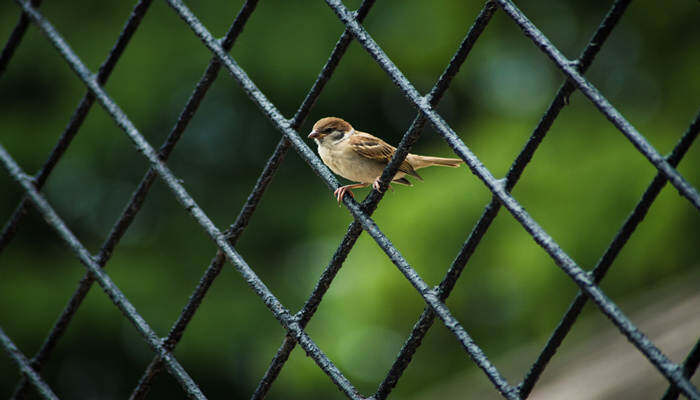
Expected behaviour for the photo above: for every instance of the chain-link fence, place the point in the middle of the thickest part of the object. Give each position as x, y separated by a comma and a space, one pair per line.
295, 323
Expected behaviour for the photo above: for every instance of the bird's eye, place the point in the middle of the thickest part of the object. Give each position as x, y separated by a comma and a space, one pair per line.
328, 130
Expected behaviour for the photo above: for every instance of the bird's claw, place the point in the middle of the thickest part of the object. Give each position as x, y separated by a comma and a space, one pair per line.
340, 193
376, 186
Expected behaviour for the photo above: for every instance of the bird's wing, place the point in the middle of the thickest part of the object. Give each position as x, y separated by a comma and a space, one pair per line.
376, 149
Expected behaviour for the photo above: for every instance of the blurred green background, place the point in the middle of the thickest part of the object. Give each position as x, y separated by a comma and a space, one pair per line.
583, 181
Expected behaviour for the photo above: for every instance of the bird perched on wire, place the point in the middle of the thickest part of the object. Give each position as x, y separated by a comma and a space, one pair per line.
361, 157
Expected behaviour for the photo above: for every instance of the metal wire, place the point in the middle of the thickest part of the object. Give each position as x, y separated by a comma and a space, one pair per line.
225, 241
372, 200
15, 38
571, 70
421, 327
690, 365
367, 223
79, 114
273, 163
64, 141
281, 313
580, 277
25, 366
105, 281
605, 262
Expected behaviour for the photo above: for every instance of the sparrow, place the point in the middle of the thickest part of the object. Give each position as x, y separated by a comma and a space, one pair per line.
361, 157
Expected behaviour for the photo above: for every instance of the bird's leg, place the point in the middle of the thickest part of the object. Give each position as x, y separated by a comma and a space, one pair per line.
340, 192
375, 185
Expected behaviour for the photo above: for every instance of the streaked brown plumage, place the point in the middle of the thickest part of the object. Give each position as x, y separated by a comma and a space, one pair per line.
361, 157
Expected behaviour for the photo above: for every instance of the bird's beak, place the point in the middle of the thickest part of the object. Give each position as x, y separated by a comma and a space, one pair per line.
314, 135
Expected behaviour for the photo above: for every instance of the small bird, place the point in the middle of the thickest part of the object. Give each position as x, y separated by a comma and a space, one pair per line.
361, 157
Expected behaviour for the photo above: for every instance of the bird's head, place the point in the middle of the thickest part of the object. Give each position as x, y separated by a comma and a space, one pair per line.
332, 127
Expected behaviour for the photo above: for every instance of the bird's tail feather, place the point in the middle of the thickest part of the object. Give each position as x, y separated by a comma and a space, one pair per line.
404, 181
427, 161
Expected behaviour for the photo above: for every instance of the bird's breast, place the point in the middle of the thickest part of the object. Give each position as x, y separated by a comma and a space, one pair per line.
344, 161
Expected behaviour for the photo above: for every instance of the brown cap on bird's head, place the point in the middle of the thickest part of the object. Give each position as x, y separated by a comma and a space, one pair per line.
325, 126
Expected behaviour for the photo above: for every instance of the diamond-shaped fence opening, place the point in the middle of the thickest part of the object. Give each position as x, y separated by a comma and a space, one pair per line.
294, 321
